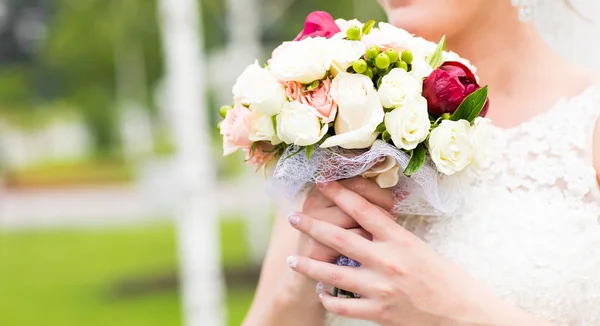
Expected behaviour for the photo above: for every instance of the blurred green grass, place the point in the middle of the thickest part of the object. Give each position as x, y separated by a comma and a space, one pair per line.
79, 277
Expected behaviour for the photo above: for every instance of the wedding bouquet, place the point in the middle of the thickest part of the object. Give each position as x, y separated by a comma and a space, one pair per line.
347, 98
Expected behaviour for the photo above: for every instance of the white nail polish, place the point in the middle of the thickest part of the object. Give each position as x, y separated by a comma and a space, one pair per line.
292, 261
294, 219
320, 287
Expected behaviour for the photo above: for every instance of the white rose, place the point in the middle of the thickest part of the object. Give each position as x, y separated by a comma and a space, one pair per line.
409, 124
296, 124
397, 86
422, 51
384, 173
388, 36
345, 24
481, 139
359, 112
343, 53
303, 61
261, 129
259, 89
450, 146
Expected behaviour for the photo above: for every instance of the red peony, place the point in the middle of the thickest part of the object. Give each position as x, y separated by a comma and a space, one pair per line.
447, 87
318, 24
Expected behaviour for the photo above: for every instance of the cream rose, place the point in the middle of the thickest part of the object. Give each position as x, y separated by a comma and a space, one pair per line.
450, 146
481, 139
398, 86
258, 88
359, 112
409, 124
303, 61
384, 173
261, 129
343, 53
296, 124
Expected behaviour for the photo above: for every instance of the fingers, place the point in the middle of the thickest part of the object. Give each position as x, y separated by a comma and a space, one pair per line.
363, 308
369, 190
372, 219
335, 216
364, 187
343, 277
318, 251
334, 237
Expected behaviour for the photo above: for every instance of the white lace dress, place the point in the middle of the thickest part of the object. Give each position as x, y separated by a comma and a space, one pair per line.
531, 232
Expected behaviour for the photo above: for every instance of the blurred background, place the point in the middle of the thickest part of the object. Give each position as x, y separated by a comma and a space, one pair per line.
116, 207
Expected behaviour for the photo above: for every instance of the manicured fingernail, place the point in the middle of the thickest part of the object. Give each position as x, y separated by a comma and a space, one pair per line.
321, 185
320, 288
321, 296
294, 219
292, 261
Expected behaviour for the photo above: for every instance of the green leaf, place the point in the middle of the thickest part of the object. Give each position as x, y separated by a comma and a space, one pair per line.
436, 59
472, 105
386, 136
309, 152
417, 159
312, 86
368, 26
274, 120
380, 128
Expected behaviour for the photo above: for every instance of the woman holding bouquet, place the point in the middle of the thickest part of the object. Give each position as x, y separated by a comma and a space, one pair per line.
525, 250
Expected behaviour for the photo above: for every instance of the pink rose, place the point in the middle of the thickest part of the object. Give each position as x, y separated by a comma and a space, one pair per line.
236, 129
319, 99
262, 155
293, 90
318, 24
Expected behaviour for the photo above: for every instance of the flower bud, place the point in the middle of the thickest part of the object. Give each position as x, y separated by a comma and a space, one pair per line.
223, 110
392, 54
407, 56
360, 66
354, 33
382, 61
372, 52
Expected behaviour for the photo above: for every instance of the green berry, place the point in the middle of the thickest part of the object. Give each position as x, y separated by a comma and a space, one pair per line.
407, 56
369, 73
393, 54
360, 66
354, 33
372, 52
219, 127
375, 71
382, 61
223, 110
402, 65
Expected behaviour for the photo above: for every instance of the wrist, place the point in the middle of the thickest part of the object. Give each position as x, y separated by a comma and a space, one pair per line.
296, 289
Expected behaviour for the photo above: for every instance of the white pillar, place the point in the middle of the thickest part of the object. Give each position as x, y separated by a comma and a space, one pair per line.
201, 279
243, 21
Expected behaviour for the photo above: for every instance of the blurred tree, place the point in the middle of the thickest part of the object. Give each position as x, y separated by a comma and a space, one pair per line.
85, 40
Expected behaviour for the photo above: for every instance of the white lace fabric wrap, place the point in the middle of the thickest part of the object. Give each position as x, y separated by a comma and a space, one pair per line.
530, 229
425, 193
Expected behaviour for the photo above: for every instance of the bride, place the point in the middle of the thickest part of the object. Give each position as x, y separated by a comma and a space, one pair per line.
526, 249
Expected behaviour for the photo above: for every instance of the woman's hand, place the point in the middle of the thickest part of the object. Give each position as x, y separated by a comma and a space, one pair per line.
321, 208
402, 281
